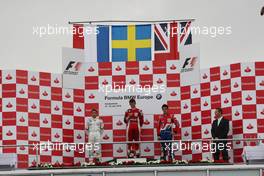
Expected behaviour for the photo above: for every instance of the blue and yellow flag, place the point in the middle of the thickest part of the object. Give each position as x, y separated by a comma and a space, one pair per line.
131, 43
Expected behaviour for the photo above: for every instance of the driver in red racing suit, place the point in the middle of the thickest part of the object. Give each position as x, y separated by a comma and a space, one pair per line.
134, 120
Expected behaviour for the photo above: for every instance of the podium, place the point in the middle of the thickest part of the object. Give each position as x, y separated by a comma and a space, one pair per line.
8, 161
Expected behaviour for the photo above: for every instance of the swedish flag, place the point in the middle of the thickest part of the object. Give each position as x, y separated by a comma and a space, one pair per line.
131, 43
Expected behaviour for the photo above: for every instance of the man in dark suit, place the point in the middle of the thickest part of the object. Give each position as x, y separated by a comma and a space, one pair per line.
220, 128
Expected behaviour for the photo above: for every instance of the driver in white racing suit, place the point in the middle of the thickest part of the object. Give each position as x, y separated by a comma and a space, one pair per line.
94, 128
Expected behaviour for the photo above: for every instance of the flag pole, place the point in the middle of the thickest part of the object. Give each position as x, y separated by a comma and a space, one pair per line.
127, 21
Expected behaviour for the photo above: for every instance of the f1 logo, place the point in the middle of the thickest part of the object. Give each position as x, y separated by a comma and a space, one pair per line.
190, 61
74, 65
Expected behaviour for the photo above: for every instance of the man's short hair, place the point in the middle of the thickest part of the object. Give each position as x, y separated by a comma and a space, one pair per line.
219, 110
164, 106
132, 100
94, 110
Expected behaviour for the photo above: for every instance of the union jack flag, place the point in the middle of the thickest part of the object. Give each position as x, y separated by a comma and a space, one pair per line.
166, 41
185, 35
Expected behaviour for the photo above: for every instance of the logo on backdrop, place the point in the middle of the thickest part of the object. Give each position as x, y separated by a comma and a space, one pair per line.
158, 96
73, 68
189, 64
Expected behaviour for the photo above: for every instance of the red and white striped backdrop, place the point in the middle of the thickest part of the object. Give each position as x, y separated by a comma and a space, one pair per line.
35, 108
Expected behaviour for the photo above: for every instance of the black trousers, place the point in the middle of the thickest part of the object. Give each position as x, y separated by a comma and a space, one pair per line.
223, 150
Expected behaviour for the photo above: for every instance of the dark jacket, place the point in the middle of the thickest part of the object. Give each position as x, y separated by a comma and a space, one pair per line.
220, 131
